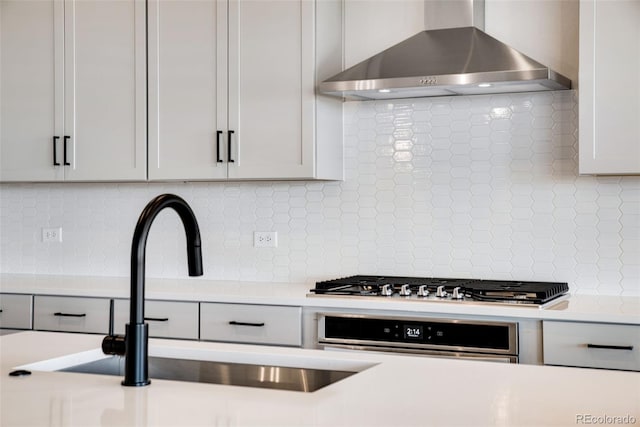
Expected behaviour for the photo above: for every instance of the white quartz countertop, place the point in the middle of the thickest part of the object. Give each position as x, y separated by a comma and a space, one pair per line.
587, 308
396, 391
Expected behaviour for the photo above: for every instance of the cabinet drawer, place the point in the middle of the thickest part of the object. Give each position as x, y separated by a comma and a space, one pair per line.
591, 345
253, 324
71, 314
166, 319
15, 311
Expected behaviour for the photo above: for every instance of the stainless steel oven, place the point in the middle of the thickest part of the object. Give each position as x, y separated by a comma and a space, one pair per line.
452, 338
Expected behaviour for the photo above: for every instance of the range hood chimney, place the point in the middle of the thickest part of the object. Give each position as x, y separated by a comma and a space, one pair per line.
454, 56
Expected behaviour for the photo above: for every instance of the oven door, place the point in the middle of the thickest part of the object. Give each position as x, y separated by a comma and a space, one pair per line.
426, 353
435, 337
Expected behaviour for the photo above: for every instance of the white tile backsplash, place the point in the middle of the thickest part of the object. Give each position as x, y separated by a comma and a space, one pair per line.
483, 186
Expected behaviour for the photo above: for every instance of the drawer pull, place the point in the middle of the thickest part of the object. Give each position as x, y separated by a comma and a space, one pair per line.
157, 319
70, 314
257, 325
611, 347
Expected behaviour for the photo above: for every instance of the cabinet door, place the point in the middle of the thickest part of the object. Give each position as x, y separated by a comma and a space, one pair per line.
187, 89
271, 88
15, 311
591, 345
31, 67
105, 90
166, 319
71, 314
252, 324
609, 87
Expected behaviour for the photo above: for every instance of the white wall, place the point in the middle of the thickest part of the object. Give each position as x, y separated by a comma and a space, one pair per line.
374, 25
482, 186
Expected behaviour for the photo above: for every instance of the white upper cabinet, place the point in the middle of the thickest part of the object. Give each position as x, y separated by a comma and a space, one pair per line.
30, 85
73, 94
187, 89
105, 90
270, 86
232, 89
609, 87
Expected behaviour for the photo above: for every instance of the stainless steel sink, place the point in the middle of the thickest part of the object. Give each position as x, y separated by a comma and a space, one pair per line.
239, 374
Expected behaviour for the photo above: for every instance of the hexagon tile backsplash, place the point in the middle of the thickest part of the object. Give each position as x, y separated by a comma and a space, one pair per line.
482, 186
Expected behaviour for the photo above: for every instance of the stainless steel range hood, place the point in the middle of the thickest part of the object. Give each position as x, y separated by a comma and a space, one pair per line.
443, 62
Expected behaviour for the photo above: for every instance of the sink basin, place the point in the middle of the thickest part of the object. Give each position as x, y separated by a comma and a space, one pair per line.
238, 374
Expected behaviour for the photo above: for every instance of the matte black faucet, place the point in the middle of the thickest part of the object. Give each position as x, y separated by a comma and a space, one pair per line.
134, 345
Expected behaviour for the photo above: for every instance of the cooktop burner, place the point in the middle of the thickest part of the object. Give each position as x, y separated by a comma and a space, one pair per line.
432, 288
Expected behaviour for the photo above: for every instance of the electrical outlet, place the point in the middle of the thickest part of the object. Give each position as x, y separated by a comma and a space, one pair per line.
53, 234
265, 239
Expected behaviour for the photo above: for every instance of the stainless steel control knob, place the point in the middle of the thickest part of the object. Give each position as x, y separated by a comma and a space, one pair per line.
423, 291
440, 292
386, 290
457, 293
405, 290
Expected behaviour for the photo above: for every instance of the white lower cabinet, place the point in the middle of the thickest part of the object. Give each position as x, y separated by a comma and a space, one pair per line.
251, 324
15, 311
71, 314
591, 345
166, 319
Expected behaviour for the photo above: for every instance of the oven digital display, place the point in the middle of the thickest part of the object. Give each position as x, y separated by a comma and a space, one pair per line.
413, 332
433, 334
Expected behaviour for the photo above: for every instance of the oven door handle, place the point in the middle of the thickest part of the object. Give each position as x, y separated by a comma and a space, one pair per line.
413, 352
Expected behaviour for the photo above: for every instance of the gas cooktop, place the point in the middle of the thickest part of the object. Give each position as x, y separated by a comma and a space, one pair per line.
443, 289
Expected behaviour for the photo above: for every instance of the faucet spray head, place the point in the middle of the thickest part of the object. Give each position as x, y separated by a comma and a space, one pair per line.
194, 259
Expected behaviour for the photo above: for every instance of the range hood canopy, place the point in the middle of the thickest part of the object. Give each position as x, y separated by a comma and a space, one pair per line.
444, 62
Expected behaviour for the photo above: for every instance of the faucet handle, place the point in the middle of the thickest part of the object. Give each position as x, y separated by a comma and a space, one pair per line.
114, 344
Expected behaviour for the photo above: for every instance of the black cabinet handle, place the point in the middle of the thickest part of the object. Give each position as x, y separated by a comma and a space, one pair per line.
66, 138
59, 314
229, 159
218, 133
55, 157
611, 347
157, 319
257, 325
